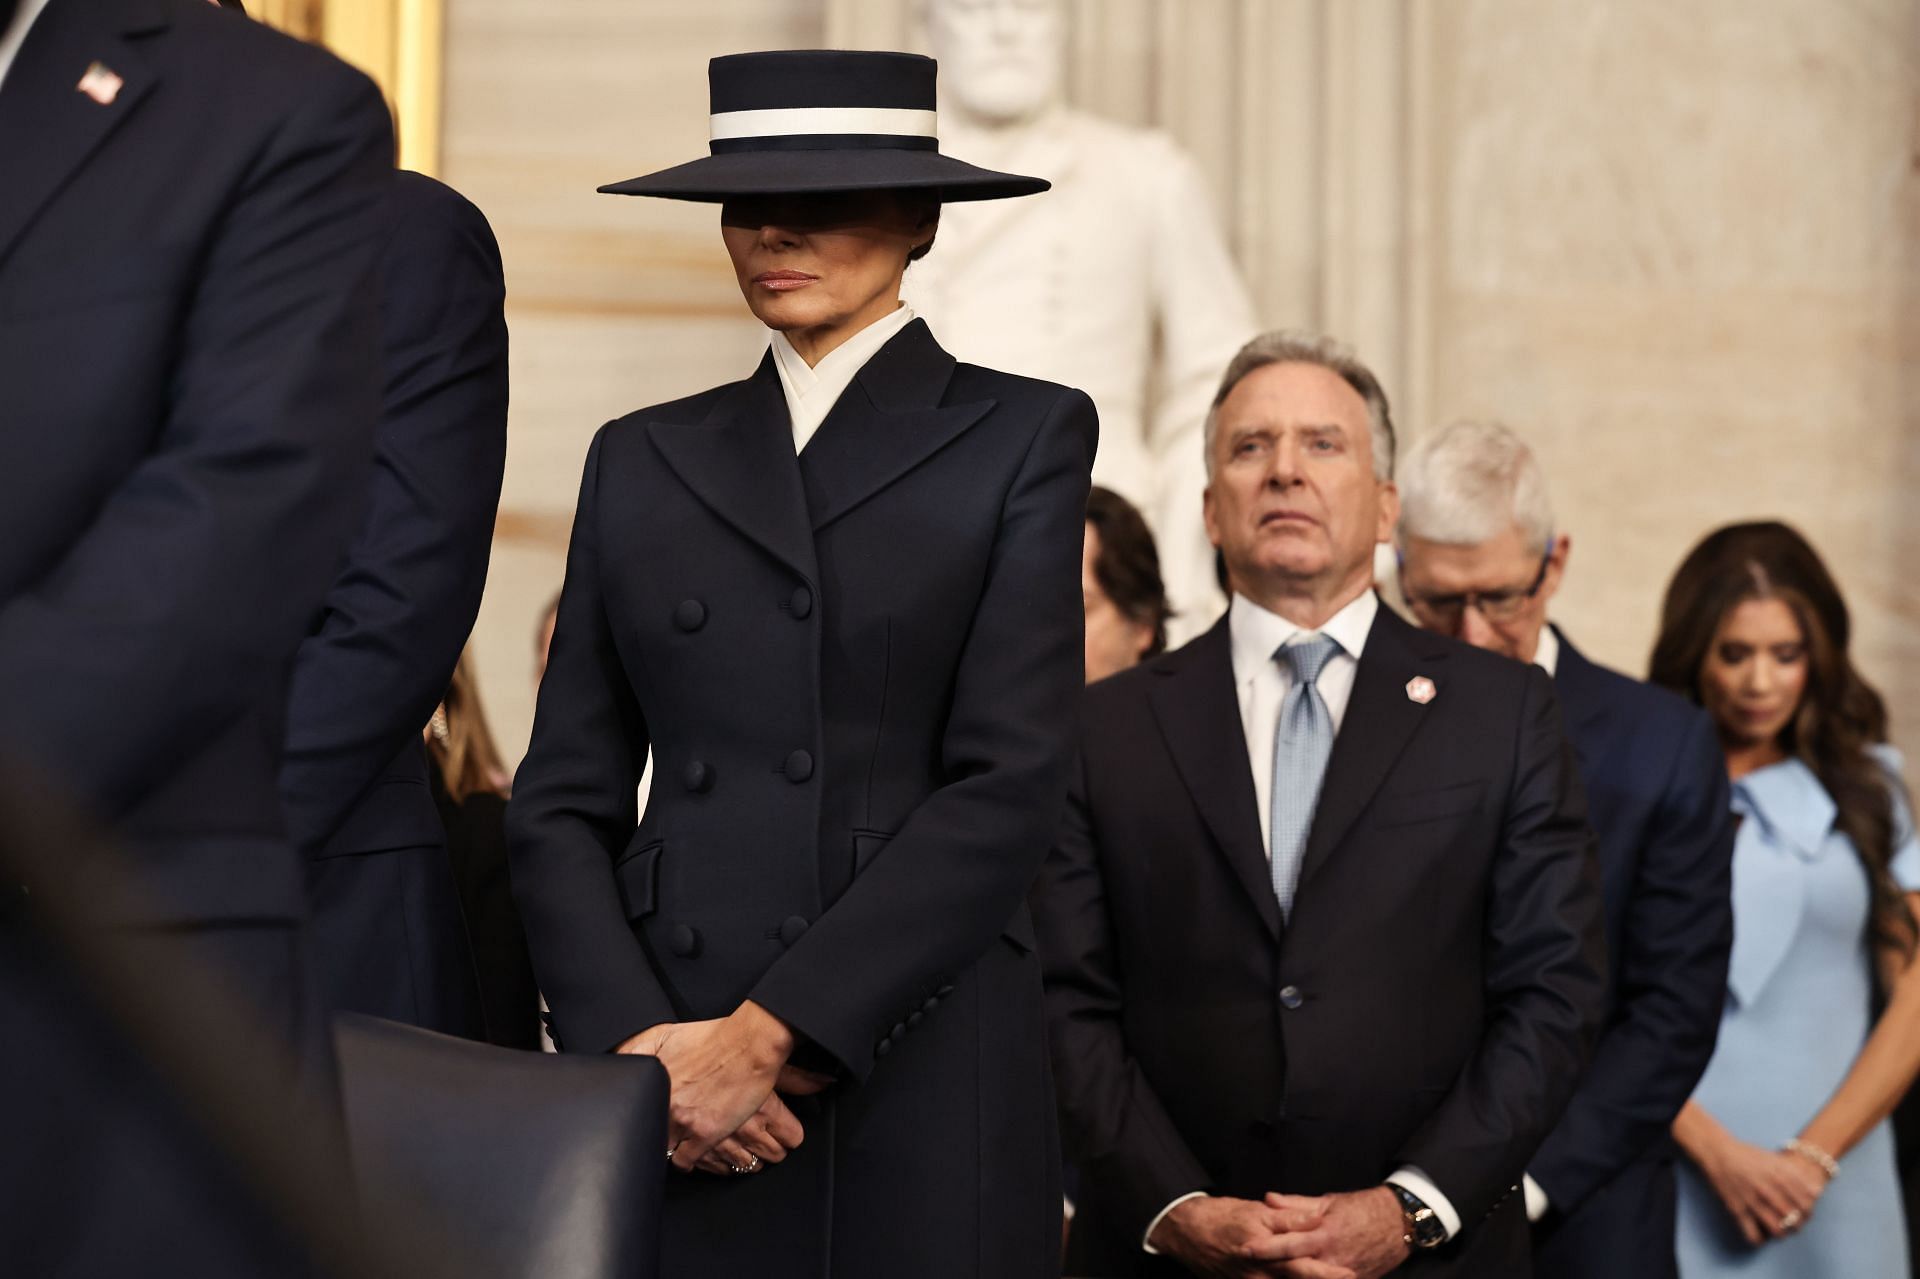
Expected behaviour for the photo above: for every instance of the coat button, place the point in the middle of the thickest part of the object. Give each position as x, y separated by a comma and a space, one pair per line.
944, 991
914, 1019
882, 1048
799, 766
792, 929
899, 1029
683, 941
1291, 998
690, 615
932, 1002
698, 777
802, 602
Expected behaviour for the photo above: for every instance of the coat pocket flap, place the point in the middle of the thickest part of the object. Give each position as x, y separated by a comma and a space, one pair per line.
1019, 930
638, 875
866, 846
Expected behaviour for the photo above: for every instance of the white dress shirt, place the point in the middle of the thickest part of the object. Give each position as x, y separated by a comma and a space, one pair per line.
1262, 684
16, 34
813, 390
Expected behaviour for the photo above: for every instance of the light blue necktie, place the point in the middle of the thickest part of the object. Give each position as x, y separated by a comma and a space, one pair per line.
1302, 740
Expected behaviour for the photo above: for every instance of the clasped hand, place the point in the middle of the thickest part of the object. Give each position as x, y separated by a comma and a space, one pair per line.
725, 1112
1769, 1194
1360, 1235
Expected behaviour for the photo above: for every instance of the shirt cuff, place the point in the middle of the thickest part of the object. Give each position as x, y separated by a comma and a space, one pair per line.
1421, 1186
1537, 1202
1162, 1216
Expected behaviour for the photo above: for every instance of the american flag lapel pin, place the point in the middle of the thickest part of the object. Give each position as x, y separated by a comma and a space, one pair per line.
100, 83
1420, 689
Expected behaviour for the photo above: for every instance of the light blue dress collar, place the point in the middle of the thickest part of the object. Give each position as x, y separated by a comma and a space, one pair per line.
1790, 805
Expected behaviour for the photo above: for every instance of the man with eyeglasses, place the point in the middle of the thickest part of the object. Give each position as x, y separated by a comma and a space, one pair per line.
1479, 561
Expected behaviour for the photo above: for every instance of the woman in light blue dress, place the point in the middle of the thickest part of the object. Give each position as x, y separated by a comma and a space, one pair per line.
1790, 1161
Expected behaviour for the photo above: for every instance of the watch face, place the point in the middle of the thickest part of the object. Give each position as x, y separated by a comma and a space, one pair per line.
1424, 1227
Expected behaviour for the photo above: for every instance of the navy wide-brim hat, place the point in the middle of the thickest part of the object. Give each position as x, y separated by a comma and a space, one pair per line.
824, 120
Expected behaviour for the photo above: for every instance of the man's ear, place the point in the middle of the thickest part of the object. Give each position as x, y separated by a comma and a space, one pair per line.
1389, 511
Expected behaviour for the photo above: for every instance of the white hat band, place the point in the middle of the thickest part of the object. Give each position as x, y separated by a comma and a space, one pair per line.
790, 122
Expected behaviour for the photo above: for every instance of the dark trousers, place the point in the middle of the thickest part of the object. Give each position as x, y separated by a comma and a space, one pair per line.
103, 1170
1626, 1228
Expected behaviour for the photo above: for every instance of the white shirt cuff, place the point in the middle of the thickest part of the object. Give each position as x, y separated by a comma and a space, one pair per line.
1537, 1201
1422, 1188
1162, 1216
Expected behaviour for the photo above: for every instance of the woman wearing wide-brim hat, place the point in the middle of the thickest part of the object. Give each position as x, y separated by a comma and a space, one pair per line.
839, 601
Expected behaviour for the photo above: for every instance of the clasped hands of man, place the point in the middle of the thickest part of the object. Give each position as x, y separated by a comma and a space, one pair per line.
1357, 1235
727, 1076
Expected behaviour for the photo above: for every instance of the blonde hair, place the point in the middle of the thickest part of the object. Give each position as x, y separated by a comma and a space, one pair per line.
460, 744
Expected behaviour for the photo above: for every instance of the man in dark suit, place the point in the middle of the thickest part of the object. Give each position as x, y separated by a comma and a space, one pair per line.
1321, 930
387, 932
190, 210
1480, 562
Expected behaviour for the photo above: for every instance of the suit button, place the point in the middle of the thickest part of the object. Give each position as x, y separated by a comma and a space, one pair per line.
690, 615
683, 941
799, 766
792, 928
1291, 998
899, 1029
882, 1048
698, 777
914, 1019
802, 603
933, 1002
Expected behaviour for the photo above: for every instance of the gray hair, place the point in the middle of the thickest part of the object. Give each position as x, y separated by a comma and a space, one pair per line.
1470, 482
1291, 347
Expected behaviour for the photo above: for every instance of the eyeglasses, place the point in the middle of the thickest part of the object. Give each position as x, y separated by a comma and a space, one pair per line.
1444, 611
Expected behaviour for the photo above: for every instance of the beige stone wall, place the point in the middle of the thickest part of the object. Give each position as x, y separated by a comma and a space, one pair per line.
614, 303
1674, 244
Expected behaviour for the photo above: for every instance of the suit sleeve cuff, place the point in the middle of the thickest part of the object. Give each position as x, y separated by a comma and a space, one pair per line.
1538, 1205
1161, 1216
1421, 1186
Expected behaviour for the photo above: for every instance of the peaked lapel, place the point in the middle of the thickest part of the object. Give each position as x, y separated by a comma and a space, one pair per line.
888, 421
1380, 720
1193, 698
48, 127
739, 461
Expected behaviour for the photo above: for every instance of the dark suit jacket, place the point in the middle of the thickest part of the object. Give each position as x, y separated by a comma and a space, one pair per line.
188, 355
188, 387
387, 930
1657, 789
857, 673
1430, 1003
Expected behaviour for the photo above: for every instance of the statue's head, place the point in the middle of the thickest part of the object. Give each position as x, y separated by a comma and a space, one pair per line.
1001, 61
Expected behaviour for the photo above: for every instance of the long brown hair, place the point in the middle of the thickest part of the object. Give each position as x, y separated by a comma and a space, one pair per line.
1840, 716
459, 742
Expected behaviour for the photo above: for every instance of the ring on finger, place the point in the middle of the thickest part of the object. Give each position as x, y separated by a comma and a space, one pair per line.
1792, 1220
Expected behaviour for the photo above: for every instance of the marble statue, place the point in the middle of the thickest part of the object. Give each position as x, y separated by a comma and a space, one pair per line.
1118, 281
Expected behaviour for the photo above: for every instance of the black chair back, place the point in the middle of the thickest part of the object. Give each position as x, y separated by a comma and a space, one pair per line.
542, 1165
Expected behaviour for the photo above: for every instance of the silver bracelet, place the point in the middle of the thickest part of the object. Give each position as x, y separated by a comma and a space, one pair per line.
1814, 1155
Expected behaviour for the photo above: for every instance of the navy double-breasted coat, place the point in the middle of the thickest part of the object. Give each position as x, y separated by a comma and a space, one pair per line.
857, 671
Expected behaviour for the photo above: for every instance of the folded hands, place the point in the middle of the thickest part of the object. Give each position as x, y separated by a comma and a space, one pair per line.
726, 1114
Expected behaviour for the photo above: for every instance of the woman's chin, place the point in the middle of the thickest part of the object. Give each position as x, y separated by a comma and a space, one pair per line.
789, 313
